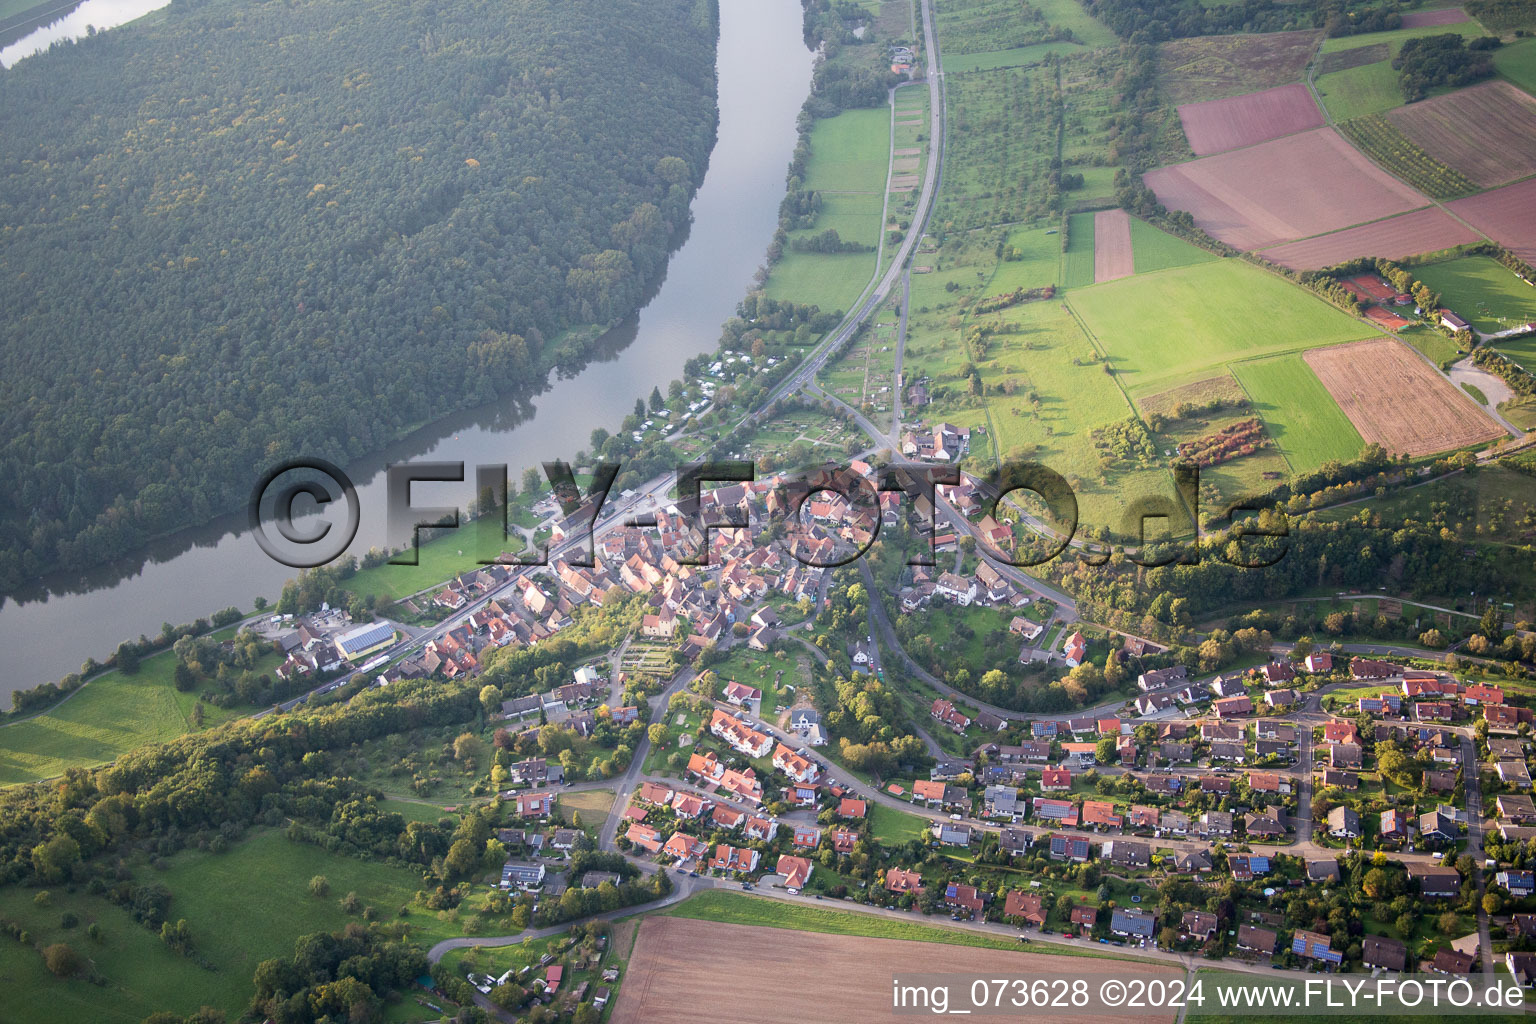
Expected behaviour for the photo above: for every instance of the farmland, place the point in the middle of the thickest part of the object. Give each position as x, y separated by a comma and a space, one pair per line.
1395, 38
1506, 215
1278, 191
1215, 126
1160, 330
1486, 131
1078, 262
1018, 57
1517, 63
664, 985
1361, 90
1370, 381
1213, 67
1158, 250
1445, 16
1380, 138
1307, 426
1484, 292
1112, 245
1427, 230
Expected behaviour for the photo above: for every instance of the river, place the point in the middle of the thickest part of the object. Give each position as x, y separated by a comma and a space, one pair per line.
764, 75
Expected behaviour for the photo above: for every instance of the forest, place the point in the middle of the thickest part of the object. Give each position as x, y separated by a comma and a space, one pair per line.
244, 233
1444, 60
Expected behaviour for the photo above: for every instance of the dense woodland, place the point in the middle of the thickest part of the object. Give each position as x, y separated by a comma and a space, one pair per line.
252, 231
1443, 60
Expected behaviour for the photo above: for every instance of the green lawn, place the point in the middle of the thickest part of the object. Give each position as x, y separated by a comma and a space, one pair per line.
1368, 89
243, 906
439, 559
1077, 261
766, 670
1398, 37
892, 828
1306, 424
1018, 57
111, 714
1517, 63
1069, 14
1482, 290
739, 908
1158, 250
1168, 328
850, 152
1442, 351
11, 8
1038, 265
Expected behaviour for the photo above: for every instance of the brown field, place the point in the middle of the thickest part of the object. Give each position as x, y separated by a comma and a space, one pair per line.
1428, 230
1211, 67
1506, 215
1197, 392
1485, 131
771, 975
1112, 245
1277, 191
1397, 400
1421, 19
1343, 60
914, 151
1215, 126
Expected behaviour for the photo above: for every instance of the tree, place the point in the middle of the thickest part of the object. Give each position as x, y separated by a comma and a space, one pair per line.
532, 481
462, 860
658, 734
320, 887
657, 402
468, 749
490, 698
61, 960
1105, 749
1448, 923
54, 859
1492, 903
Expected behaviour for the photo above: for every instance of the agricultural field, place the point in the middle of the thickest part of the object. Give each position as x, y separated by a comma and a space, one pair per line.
243, 907
850, 152
664, 985
1381, 139
1372, 381
1506, 215
1483, 291
1361, 90
1279, 191
1018, 57
981, 26
1037, 261
1112, 257
1444, 16
1157, 250
1427, 230
1165, 329
1225, 482
1485, 131
1307, 426
1517, 62
1214, 126
1213, 67
1343, 60
1395, 38
1078, 262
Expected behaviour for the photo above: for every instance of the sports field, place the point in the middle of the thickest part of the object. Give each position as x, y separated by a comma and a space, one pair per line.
1307, 426
1165, 329
851, 982
1484, 292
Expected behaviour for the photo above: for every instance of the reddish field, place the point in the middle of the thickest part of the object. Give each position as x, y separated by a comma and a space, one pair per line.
1421, 231
1506, 215
1420, 19
1219, 125
1277, 191
1210, 67
1486, 131
1112, 245
1397, 400
1386, 318
1369, 286
771, 975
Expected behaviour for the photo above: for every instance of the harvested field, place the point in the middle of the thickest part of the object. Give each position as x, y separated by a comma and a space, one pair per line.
903, 182
905, 163
836, 977
1421, 19
1428, 230
915, 151
1343, 60
1112, 246
1211, 67
1397, 400
1506, 215
1485, 131
1216, 126
1282, 190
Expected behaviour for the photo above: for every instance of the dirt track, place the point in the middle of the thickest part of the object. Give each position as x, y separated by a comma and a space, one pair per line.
686, 972
1397, 400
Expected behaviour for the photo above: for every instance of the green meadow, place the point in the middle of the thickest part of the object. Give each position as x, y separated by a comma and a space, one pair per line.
1164, 329
1077, 260
1485, 293
1517, 62
1158, 250
1306, 424
1356, 92
850, 152
1397, 37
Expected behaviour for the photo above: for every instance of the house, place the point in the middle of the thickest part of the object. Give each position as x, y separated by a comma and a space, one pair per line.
1514, 773
688, 807
953, 833
1069, 848
1013, 841
1340, 732
1435, 880
1055, 780
807, 836
1000, 802
1215, 784
1161, 677
1127, 854
1083, 917
1315, 946
1519, 884
1280, 698
1260, 940
1322, 871
734, 858
654, 793
1228, 707
522, 875
1193, 861
1133, 923
645, 837
1226, 750
963, 899
1277, 672
684, 847
1173, 822
1380, 951
900, 880
1270, 823
848, 807
1199, 924
1522, 966
798, 768
1344, 823
1215, 823
1280, 732
1149, 704
1076, 649
1451, 322
1440, 781
535, 805
1142, 816
957, 589
1062, 811
944, 711
742, 695
1319, 662
565, 838
843, 841
1099, 814
1340, 779
1268, 782
739, 736
1503, 718
1345, 755
796, 871
1515, 808
1450, 961
1435, 827
1245, 868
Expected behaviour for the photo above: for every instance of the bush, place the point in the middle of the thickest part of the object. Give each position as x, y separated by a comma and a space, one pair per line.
61, 960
